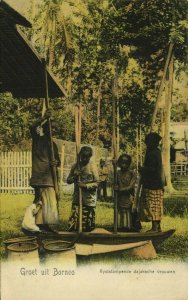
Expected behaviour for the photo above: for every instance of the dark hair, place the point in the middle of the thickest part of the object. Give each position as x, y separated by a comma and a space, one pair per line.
86, 150
126, 156
152, 139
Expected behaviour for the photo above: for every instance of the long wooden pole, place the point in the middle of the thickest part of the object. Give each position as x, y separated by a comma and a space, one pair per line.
118, 122
141, 145
166, 147
54, 169
114, 141
161, 87
78, 116
80, 190
137, 150
98, 112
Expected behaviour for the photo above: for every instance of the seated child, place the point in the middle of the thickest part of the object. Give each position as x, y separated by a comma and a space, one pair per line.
125, 192
29, 226
84, 176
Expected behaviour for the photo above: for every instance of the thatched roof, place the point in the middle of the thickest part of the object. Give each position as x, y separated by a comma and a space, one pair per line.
22, 71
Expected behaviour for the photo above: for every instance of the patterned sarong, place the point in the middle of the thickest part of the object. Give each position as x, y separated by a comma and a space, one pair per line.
88, 218
151, 205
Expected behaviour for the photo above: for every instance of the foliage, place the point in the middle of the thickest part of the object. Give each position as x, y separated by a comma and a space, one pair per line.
108, 49
17, 114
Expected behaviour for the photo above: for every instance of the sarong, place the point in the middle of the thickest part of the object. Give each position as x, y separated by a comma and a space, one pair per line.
151, 205
88, 218
49, 213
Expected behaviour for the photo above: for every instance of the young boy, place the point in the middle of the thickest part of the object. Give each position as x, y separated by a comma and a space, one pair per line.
125, 192
85, 176
29, 226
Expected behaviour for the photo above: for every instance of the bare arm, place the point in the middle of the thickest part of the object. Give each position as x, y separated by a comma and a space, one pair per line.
38, 122
35, 211
130, 186
72, 177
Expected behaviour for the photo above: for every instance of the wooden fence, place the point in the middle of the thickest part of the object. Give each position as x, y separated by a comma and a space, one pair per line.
15, 172
15, 168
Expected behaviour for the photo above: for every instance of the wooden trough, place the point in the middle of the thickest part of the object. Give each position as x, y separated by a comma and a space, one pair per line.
102, 236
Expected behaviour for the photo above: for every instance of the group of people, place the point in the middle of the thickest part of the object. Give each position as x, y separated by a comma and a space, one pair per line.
88, 182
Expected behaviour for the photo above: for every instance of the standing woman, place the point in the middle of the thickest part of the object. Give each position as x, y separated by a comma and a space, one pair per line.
153, 183
42, 178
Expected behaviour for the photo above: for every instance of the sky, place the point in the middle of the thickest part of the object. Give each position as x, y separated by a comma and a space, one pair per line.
20, 5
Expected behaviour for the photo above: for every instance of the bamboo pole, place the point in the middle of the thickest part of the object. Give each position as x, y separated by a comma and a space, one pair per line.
168, 103
118, 122
62, 164
79, 141
161, 87
98, 113
141, 161
137, 151
78, 113
114, 142
54, 171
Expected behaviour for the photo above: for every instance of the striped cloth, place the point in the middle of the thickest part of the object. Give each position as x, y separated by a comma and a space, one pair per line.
152, 205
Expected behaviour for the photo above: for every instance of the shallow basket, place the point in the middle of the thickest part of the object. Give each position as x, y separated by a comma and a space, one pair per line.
54, 246
20, 239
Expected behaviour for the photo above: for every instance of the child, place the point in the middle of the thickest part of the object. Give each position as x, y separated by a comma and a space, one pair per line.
84, 176
125, 192
29, 226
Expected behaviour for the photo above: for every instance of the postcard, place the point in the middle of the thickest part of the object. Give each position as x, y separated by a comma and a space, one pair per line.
94, 150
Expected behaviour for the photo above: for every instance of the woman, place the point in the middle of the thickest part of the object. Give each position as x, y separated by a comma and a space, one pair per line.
152, 181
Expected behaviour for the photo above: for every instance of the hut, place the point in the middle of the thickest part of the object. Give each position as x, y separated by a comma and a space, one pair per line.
21, 66
179, 143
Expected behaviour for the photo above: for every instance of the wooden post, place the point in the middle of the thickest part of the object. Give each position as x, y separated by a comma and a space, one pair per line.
54, 170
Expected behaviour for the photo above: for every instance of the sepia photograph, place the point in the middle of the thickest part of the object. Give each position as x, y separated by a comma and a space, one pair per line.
94, 149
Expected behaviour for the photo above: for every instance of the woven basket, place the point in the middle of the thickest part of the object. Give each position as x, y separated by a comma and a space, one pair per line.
57, 246
21, 239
